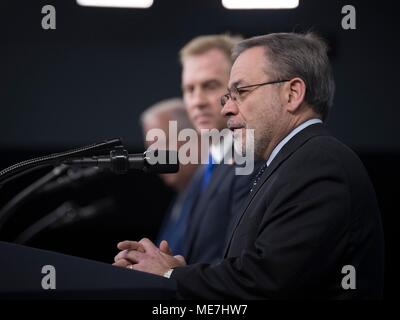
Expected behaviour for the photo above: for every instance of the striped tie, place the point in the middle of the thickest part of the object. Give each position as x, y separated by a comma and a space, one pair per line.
258, 176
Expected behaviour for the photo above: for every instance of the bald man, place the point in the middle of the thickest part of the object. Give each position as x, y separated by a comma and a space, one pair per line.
159, 116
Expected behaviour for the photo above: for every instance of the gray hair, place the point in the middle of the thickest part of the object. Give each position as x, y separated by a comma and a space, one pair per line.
174, 108
298, 55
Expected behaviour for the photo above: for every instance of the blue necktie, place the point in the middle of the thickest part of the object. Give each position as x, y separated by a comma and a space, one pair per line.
207, 173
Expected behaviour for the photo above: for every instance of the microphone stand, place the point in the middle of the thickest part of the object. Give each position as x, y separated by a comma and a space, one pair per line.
28, 192
67, 213
16, 170
119, 161
56, 159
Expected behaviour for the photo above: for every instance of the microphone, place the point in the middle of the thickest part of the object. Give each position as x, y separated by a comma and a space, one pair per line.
119, 161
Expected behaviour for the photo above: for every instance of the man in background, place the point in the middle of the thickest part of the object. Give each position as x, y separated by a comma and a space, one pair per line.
217, 193
206, 62
159, 116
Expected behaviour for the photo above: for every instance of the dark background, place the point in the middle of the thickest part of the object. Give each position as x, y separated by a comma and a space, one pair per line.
89, 79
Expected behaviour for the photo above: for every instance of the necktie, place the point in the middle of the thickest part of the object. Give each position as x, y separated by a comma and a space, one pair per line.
258, 176
207, 173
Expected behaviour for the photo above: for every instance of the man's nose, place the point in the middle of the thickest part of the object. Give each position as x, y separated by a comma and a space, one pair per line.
199, 98
230, 108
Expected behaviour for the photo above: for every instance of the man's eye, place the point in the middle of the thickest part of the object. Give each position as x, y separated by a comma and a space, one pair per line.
213, 85
188, 89
241, 91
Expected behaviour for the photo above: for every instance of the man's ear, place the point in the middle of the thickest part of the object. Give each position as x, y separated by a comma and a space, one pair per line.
294, 94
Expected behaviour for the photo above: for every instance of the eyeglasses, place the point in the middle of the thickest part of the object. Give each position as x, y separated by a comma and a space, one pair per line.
236, 92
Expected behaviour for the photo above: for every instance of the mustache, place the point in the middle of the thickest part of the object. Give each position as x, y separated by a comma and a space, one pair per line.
231, 124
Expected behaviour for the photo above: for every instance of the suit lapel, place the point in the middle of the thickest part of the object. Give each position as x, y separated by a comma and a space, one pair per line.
293, 144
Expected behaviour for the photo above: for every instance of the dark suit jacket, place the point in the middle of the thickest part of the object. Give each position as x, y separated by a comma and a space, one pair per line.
313, 212
213, 212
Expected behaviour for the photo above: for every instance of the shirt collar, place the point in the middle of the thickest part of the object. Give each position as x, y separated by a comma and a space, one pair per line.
295, 131
222, 150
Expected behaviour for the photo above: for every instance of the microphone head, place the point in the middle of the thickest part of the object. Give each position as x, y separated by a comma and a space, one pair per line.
161, 161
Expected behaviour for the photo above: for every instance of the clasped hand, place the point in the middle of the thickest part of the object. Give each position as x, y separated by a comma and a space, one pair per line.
144, 256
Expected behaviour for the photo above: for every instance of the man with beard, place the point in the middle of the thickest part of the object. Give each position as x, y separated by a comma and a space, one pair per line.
216, 193
311, 227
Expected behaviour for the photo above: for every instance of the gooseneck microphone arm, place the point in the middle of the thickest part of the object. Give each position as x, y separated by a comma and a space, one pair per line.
26, 166
27, 193
10, 173
118, 160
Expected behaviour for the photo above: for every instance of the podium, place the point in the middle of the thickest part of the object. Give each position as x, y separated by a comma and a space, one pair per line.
23, 272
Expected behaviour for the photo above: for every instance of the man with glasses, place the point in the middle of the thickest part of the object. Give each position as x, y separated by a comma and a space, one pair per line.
311, 227
214, 195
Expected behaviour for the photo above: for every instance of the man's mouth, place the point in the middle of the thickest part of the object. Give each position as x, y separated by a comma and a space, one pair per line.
202, 117
234, 127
